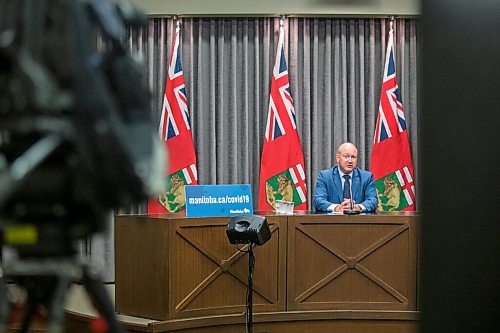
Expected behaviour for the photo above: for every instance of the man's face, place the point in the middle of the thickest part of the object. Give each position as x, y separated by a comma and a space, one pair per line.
347, 158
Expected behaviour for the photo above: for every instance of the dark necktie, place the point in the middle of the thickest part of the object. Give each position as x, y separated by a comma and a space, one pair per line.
347, 185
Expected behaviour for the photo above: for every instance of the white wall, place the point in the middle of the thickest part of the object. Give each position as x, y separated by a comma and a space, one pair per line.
276, 7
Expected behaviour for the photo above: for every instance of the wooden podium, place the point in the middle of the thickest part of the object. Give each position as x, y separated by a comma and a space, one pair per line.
174, 267
315, 273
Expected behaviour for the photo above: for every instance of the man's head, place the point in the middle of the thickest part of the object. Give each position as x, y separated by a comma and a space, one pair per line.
347, 157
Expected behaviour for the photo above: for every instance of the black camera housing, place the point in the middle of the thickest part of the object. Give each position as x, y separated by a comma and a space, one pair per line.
248, 229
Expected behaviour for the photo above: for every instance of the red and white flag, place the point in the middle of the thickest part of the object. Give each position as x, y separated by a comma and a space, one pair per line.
282, 175
391, 161
175, 132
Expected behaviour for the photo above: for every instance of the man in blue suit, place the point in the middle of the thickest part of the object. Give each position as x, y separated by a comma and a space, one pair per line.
335, 186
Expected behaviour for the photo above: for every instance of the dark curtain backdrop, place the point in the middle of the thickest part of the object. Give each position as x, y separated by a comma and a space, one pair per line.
335, 67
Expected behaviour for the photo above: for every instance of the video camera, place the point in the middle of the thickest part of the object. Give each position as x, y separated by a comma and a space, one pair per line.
76, 140
76, 135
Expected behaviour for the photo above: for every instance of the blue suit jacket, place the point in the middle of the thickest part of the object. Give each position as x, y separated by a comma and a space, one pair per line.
329, 189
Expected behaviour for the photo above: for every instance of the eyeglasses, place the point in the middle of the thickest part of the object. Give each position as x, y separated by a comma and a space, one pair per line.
347, 157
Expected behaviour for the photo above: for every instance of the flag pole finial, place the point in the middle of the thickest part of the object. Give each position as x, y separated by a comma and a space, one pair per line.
391, 22
282, 20
177, 20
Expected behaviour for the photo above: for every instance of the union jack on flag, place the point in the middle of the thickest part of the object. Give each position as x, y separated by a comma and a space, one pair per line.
281, 113
391, 117
175, 113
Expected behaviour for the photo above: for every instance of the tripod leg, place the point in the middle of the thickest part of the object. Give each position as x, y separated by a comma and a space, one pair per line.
56, 306
251, 266
28, 314
4, 304
95, 289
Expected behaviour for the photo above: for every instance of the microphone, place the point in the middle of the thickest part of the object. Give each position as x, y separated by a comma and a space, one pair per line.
351, 210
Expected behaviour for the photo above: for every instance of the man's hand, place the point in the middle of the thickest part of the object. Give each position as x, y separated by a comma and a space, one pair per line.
346, 204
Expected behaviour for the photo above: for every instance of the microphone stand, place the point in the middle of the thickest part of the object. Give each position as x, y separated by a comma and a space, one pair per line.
351, 210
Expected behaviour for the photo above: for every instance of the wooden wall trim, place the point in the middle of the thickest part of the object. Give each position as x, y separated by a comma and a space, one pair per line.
276, 318
288, 317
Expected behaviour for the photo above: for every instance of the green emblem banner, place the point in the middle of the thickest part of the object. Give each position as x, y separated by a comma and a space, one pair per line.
174, 199
390, 194
282, 187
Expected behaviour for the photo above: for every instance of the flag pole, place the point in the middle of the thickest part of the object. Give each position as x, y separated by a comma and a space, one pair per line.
282, 159
391, 162
175, 123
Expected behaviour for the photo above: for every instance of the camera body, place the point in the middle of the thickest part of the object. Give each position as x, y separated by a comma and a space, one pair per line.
248, 229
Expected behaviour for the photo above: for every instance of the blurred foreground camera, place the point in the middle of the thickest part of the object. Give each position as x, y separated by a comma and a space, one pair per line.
76, 136
76, 140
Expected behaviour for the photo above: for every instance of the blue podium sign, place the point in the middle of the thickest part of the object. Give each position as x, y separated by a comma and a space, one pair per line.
218, 200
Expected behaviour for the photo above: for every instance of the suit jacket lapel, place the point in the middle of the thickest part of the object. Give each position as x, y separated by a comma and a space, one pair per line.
356, 184
337, 185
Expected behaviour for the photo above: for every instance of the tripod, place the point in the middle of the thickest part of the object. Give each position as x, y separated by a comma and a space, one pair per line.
46, 282
249, 306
